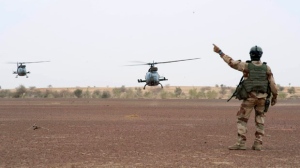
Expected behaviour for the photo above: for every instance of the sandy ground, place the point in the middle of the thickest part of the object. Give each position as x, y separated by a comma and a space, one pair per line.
141, 133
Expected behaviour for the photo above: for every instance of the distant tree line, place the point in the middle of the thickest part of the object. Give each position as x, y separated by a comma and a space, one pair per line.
222, 92
282, 94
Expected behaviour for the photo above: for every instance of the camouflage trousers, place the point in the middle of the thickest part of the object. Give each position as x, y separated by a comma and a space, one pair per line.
247, 106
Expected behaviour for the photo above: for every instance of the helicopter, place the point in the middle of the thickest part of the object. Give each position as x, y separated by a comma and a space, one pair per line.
152, 78
21, 68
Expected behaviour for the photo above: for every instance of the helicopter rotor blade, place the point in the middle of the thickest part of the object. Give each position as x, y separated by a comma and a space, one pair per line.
153, 63
34, 62
139, 64
26, 62
175, 61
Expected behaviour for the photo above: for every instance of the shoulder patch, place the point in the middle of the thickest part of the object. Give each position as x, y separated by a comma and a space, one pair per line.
264, 63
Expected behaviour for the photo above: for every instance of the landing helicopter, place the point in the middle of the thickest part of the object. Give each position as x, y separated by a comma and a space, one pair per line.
21, 68
152, 78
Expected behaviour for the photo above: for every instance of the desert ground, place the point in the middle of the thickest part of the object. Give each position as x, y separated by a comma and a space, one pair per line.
142, 133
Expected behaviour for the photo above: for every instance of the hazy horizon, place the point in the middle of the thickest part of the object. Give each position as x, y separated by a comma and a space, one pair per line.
89, 42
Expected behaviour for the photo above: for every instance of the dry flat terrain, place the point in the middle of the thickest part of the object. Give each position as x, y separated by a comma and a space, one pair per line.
141, 133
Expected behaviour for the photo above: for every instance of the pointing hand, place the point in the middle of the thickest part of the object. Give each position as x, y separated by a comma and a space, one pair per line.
216, 49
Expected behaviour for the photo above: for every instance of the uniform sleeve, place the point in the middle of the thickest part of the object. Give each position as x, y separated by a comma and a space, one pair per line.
272, 82
235, 64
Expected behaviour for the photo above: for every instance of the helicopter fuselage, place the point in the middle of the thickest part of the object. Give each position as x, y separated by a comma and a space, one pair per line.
152, 78
21, 71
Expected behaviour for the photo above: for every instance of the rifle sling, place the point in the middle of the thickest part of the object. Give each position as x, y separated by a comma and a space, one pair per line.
236, 89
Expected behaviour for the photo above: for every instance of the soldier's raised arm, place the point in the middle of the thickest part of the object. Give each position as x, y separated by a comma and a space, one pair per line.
235, 64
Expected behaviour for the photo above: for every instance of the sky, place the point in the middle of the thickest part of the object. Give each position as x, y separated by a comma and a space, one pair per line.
89, 42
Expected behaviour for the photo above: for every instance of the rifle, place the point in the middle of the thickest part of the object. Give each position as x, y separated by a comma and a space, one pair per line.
267, 102
235, 92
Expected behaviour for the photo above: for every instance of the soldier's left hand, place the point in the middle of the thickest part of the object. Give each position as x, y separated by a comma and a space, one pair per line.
216, 49
273, 101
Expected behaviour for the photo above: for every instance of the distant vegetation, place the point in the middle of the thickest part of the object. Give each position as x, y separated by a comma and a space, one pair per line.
217, 92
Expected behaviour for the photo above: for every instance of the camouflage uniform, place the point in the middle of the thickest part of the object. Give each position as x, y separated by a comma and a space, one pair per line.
254, 101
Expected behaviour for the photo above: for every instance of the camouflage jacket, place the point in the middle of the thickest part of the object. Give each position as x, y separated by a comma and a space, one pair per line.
243, 67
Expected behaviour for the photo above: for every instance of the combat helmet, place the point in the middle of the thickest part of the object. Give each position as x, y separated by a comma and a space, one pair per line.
255, 53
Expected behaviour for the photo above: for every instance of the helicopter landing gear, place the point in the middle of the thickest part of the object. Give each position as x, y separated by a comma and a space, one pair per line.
161, 85
145, 86
17, 76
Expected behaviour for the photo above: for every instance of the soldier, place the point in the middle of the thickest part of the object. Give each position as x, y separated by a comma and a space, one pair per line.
255, 92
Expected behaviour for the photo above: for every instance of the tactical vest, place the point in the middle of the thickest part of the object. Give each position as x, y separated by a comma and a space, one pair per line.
257, 80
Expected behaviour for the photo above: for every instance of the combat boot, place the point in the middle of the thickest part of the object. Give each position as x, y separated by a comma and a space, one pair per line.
237, 146
257, 146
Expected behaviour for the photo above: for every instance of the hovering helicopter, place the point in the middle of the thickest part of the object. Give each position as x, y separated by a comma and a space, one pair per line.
21, 68
152, 78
